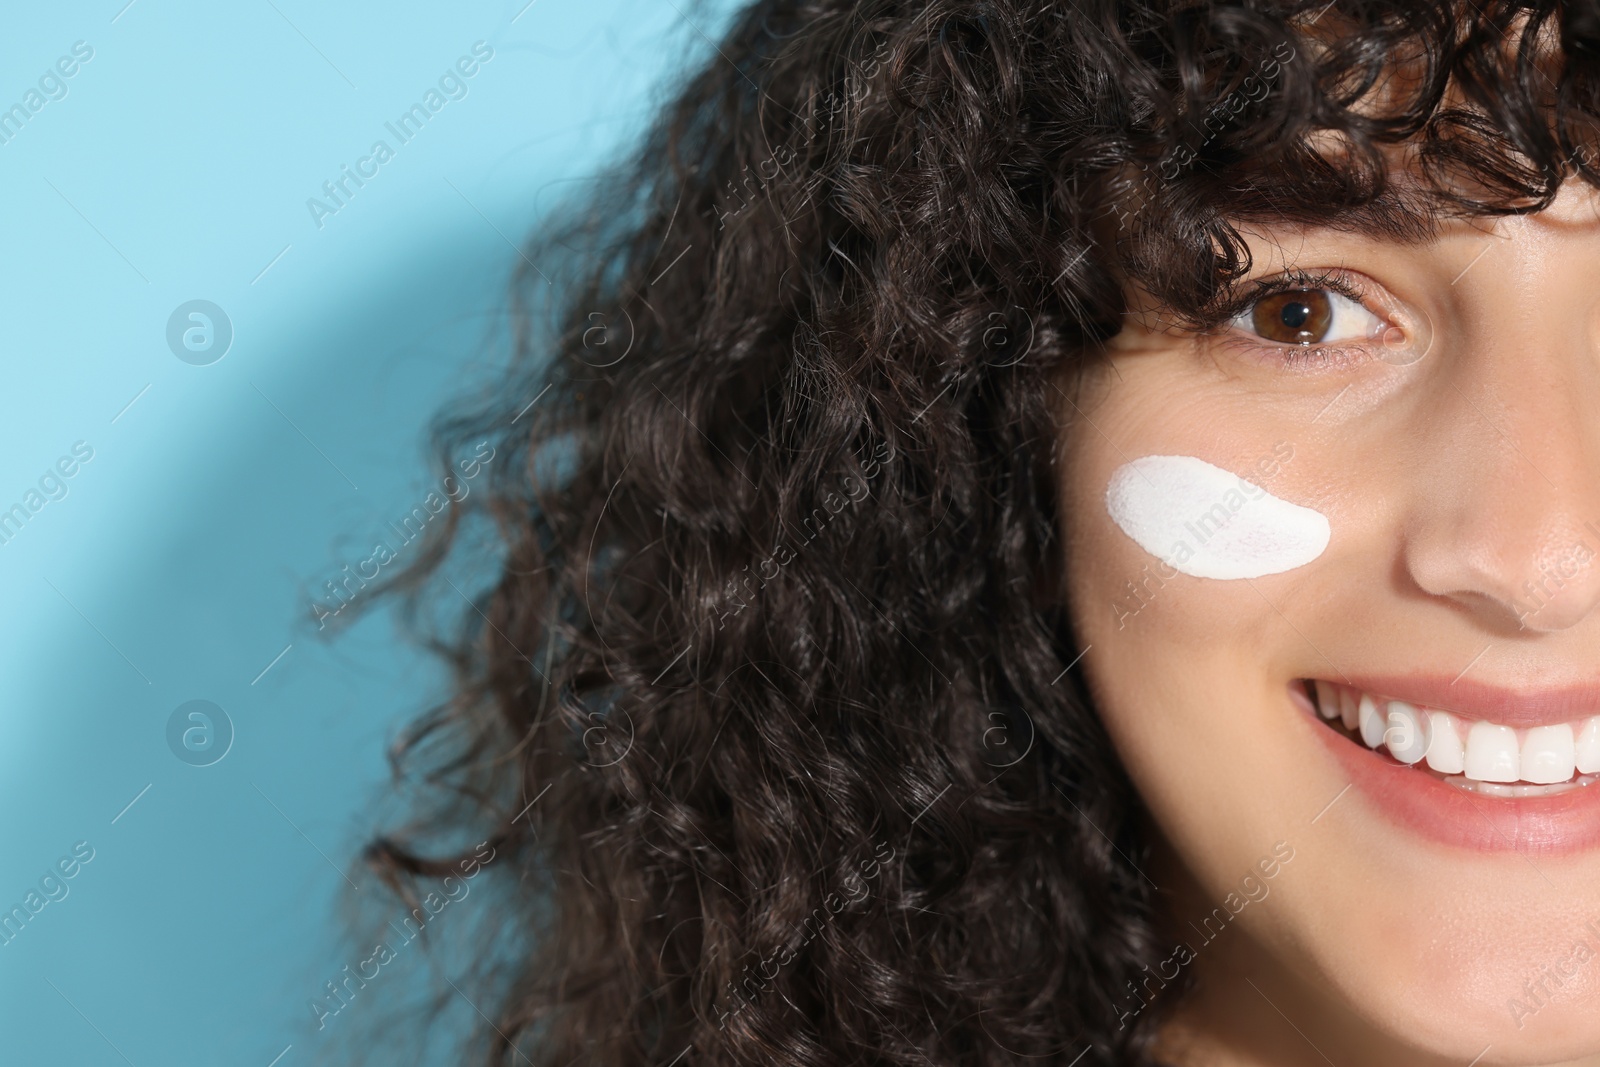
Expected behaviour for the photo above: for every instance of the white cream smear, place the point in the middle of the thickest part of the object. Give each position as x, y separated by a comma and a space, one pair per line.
1207, 523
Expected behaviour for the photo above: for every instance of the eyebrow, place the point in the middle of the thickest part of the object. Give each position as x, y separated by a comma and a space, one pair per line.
1400, 214
1395, 217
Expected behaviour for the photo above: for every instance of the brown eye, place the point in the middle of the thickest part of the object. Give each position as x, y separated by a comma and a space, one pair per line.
1309, 315
1297, 316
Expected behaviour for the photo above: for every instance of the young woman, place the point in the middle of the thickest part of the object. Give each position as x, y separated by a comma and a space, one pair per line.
1051, 533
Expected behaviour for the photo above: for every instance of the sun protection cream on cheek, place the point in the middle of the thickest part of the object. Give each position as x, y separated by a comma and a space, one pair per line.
1208, 523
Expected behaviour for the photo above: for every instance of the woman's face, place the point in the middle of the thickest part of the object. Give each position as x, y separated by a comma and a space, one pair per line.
1422, 915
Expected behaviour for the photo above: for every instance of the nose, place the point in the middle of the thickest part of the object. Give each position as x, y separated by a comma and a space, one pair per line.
1507, 515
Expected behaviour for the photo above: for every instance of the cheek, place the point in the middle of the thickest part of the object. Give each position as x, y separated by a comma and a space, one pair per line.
1185, 569
1190, 677
1190, 674
1206, 522
1184, 669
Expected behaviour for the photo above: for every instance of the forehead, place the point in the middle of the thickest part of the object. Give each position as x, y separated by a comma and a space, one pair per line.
1401, 128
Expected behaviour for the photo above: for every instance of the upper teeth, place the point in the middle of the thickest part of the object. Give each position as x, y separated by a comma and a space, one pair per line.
1481, 750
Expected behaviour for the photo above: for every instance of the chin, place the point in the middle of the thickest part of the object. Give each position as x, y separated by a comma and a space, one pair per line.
1477, 810
1444, 896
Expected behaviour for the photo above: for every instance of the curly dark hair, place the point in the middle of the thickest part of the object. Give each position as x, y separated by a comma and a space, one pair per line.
769, 714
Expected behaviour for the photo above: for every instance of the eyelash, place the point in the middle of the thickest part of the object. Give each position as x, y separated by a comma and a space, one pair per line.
1309, 357
1333, 281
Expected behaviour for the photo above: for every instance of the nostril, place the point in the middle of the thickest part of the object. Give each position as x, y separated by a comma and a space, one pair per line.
1555, 597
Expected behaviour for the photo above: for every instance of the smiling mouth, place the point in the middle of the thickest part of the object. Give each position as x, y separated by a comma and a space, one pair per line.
1474, 755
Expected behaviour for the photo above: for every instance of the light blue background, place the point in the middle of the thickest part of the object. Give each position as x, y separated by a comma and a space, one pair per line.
180, 563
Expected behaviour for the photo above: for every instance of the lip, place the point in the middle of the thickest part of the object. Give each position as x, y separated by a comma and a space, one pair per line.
1469, 699
1416, 801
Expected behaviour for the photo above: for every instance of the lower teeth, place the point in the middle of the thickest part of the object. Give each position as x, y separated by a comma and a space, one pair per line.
1519, 789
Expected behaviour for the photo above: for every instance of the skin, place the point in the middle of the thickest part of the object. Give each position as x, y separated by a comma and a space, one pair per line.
1451, 473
